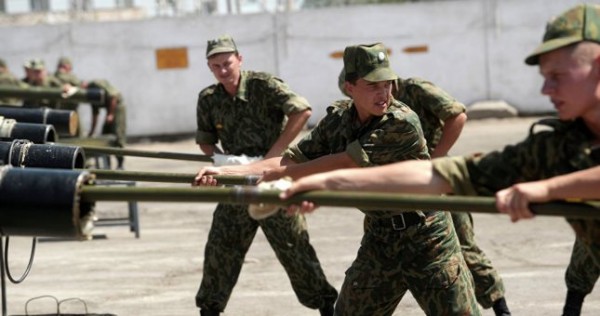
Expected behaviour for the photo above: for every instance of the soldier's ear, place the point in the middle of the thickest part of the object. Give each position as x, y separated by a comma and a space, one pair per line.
348, 88
596, 63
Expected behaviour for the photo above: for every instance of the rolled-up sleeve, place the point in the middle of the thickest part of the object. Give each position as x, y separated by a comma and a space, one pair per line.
455, 171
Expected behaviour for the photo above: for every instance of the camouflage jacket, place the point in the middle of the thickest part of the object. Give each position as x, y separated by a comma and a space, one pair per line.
49, 82
8, 79
250, 122
393, 137
559, 148
432, 104
110, 92
67, 78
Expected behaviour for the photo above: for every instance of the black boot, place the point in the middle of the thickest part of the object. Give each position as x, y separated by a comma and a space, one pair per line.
500, 307
573, 304
327, 310
209, 312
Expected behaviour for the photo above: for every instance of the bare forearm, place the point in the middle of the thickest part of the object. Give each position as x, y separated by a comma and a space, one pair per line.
413, 176
294, 126
450, 133
254, 168
583, 184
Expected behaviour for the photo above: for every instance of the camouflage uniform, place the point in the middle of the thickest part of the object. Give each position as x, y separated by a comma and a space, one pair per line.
249, 124
8, 79
566, 148
48, 82
71, 79
433, 106
118, 126
424, 256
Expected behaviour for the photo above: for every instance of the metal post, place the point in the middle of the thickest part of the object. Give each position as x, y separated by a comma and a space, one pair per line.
122, 175
3, 275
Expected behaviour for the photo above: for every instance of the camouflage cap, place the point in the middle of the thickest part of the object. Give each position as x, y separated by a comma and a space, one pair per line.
369, 62
223, 44
35, 64
580, 23
64, 61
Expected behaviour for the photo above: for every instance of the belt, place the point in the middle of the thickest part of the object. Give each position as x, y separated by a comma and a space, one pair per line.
404, 220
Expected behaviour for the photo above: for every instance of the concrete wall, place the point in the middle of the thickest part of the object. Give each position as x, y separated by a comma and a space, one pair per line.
475, 51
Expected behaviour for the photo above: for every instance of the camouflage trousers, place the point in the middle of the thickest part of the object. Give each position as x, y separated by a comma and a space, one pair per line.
118, 127
230, 237
424, 259
488, 284
584, 267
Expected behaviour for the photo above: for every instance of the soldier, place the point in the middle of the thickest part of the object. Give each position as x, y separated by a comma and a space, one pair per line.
8, 79
64, 73
442, 119
569, 61
247, 112
36, 75
115, 121
416, 251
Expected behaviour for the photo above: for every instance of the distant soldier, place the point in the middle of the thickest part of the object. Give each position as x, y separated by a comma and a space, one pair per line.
115, 120
8, 79
64, 73
36, 75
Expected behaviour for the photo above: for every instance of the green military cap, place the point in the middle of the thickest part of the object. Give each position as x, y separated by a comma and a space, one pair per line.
64, 61
369, 62
2, 63
223, 44
35, 64
580, 23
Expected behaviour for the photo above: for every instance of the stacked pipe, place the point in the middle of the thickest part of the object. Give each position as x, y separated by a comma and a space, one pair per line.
44, 202
10, 129
64, 122
24, 153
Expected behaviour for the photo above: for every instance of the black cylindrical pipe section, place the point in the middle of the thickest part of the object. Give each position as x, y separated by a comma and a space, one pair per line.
44, 202
23, 153
37, 133
65, 122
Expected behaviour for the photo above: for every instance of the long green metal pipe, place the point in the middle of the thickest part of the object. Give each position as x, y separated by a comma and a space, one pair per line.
362, 200
92, 150
57, 94
122, 175
97, 141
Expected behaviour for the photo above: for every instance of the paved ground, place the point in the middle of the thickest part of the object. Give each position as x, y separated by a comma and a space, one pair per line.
159, 273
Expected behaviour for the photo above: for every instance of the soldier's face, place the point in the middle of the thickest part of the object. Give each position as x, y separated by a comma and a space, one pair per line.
572, 81
370, 98
36, 76
226, 68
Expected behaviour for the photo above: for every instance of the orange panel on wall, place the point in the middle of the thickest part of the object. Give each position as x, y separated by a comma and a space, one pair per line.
171, 58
